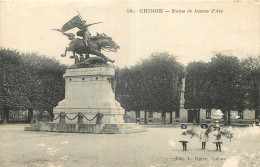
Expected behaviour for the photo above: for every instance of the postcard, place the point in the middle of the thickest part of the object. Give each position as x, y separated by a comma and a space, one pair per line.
118, 83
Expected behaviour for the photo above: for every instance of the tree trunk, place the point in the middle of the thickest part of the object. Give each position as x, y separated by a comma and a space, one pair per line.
198, 116
228, 117
2, 115
256, 114
6, 115
136, 116
145, 117
163, 118
225, 116
177, 113
50, 111
257, 82
30, 115
170, 117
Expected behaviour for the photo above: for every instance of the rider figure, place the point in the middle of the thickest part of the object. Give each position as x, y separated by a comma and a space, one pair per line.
84, 32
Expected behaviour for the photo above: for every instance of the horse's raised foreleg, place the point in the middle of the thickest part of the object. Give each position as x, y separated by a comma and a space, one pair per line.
75, 58
82, 58
64, 55
86, 56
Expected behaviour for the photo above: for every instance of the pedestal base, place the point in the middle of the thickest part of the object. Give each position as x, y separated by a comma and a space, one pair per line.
89, 91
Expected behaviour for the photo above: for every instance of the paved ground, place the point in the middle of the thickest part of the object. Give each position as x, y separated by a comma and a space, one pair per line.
158, 147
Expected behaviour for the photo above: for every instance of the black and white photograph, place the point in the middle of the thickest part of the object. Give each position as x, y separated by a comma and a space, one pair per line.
120, 83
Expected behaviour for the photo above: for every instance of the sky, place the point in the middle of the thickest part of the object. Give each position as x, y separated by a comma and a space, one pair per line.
26, 26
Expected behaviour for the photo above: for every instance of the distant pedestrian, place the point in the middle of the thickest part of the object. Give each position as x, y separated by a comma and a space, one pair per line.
203, 136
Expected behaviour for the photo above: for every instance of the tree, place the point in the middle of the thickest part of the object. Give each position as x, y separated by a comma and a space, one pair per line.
197, 87
12, 82
29, 81
52, 85
225, 78
161, 76
128, 90
250, 85
151, 85
2, 96
44, 84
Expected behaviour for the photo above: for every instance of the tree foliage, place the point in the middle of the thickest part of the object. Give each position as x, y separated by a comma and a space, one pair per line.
30, 80
151, 85
197, 86
250, 67
225, 77
225, 83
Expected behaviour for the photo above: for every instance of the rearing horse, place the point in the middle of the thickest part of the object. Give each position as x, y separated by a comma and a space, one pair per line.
97, 43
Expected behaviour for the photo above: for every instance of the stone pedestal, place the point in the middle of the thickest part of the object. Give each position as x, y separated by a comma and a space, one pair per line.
89, 91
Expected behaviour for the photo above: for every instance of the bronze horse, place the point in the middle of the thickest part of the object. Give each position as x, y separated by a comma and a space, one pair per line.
97, 43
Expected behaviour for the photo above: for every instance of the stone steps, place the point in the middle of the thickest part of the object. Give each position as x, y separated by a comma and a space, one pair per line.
32, 127
122, 128
86, 128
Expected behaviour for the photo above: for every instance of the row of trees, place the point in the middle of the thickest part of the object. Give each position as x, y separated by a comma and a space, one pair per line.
152, 85
34, 82
29, 82
225, 83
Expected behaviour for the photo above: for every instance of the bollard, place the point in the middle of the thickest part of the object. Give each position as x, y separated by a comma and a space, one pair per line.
138, 120
127, 118
44, 124
80, 118
62, 118
5, 120
99, 118
45, 117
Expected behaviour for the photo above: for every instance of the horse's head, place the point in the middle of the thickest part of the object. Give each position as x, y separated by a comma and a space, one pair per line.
108, 44
113, 46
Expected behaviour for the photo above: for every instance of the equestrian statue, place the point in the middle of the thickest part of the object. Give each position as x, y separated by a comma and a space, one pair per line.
87, 44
